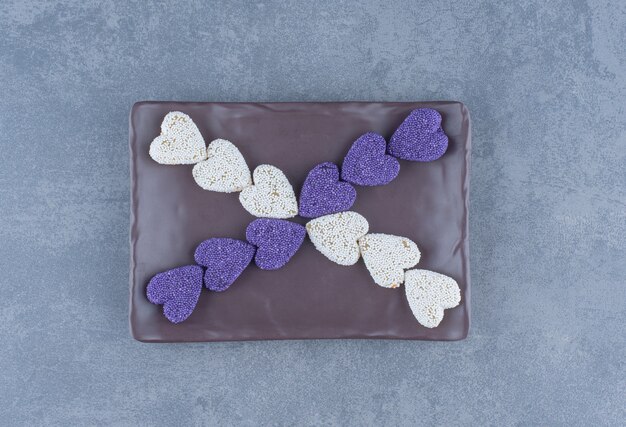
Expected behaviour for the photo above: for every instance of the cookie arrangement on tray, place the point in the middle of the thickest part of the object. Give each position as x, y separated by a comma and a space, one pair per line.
326, 197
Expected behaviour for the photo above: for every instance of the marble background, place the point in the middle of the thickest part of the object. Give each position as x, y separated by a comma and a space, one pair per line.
546, 86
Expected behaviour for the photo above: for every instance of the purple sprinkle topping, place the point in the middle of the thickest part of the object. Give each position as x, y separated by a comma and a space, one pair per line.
277, 241
420, 137
177, 290
225, 259
367, 163
323, 193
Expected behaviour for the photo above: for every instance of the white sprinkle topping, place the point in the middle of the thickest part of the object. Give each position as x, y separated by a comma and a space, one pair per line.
387, 256
271, 196
429, 293
225, 170
180, 142
336, 236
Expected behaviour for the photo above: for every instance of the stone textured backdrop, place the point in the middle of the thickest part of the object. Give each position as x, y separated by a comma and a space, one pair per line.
546, 85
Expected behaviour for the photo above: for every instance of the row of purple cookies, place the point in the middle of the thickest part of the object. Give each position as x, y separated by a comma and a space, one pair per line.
271, 242
371, 161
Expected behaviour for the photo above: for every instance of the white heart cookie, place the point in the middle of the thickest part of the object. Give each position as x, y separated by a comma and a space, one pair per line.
271, 195
387, 256
429, 293
180, 142
336, 236
225, 170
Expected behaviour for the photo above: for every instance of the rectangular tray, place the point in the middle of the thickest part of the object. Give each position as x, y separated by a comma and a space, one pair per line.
310, 297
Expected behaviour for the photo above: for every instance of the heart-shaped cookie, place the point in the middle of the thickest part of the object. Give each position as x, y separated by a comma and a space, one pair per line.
225, 170
387, 256
336, 236
271, 195
180, 142
177, 290
429, 293
323, 194
277, 240
225, 259
368, 164
420, 137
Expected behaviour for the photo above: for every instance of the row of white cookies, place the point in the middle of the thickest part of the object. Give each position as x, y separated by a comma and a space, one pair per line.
344, 237
220, 167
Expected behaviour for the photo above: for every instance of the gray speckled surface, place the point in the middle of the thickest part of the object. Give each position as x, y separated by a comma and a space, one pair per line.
546, 85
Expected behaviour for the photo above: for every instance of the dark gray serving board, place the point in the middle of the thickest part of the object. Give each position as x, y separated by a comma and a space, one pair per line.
310, 297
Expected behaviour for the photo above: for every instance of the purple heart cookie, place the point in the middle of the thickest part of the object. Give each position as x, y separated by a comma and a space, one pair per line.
276, 240
368, 164
322, 192
225, 259
420, 137
177, 290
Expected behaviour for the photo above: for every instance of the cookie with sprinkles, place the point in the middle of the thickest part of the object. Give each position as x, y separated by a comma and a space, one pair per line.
429, 294
420, 137
177, 290
225, 259
277, 240
180, 141
387, 256
323, 193
271, 195
225, 170
367, 162
336, 236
